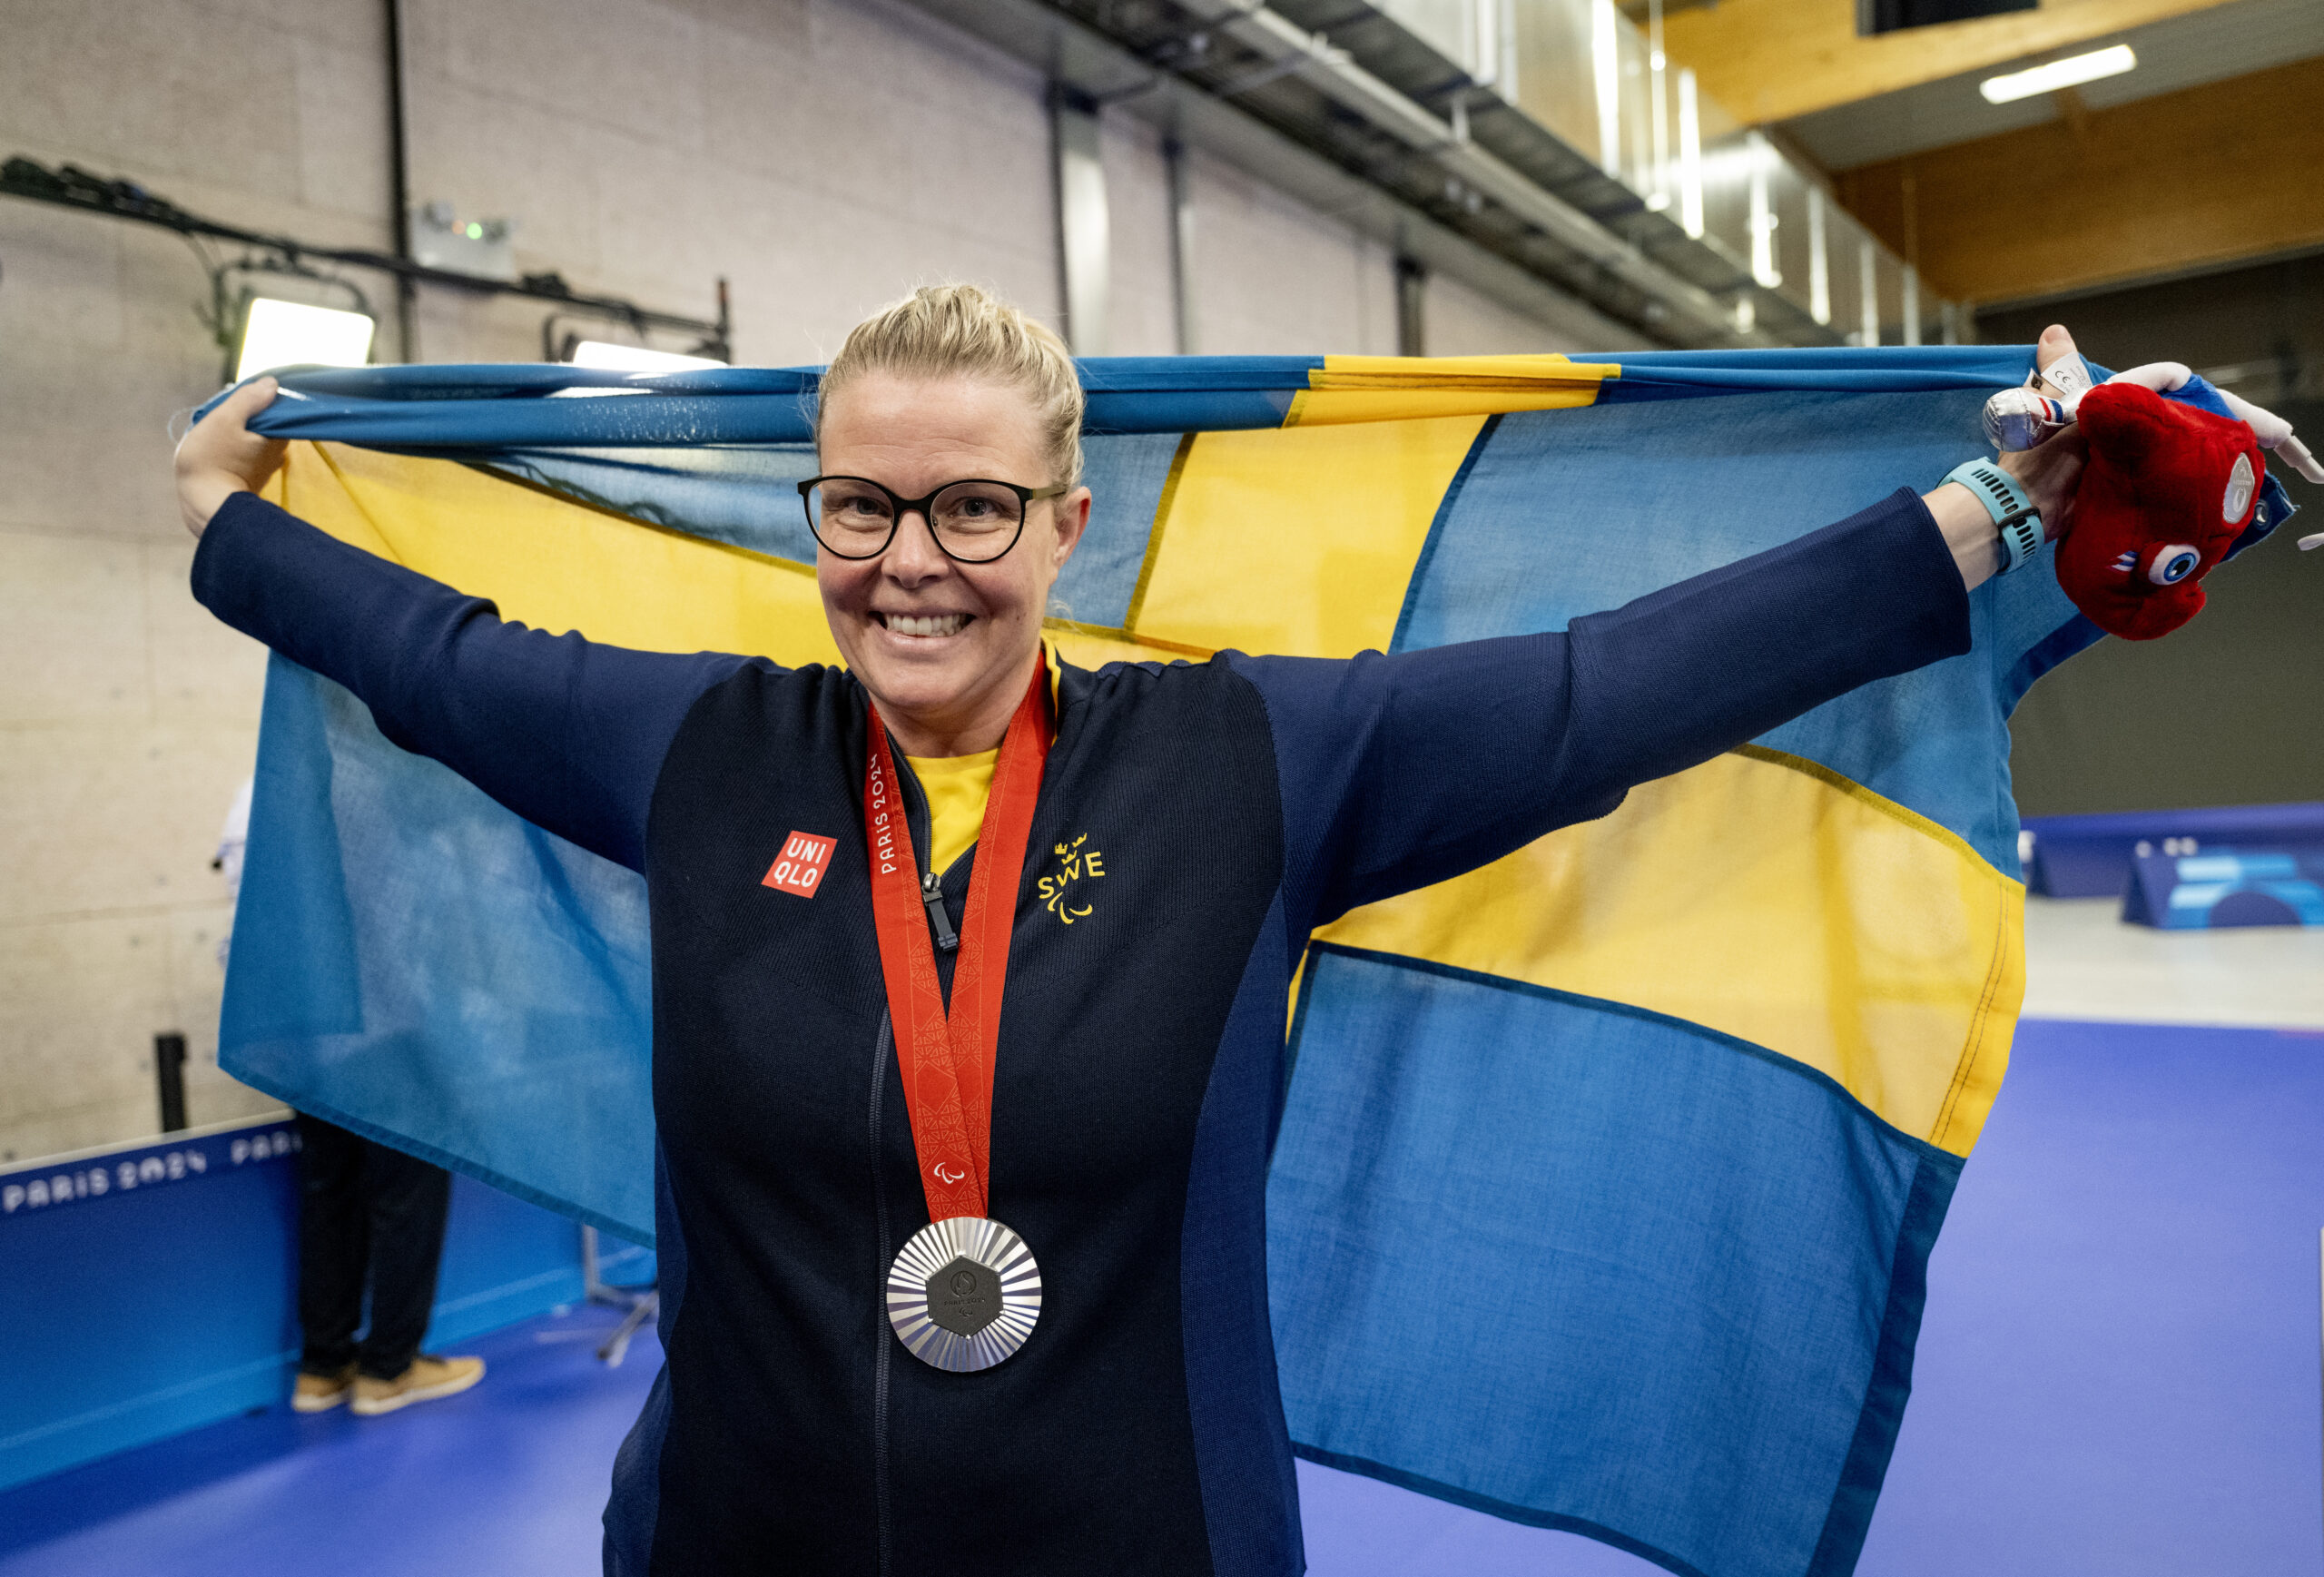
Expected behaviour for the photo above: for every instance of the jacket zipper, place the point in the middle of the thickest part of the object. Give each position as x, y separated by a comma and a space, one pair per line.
931, 893
887, 1252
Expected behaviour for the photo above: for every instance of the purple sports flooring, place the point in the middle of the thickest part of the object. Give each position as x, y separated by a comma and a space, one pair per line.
2118, 1374
509, 1479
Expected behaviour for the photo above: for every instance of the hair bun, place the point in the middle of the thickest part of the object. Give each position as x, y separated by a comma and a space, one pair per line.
959, 330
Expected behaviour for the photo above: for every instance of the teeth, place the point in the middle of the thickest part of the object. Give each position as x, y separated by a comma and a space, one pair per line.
940, 624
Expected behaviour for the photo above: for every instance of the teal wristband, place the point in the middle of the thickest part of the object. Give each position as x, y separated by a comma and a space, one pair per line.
2013, 511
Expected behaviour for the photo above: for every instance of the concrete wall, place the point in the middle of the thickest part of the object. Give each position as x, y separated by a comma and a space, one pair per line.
127, 716
825, 156
1458, 321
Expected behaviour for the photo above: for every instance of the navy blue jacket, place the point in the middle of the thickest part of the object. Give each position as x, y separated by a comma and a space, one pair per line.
1233, 805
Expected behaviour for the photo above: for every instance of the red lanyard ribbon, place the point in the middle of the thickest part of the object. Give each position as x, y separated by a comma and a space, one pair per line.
947, 1060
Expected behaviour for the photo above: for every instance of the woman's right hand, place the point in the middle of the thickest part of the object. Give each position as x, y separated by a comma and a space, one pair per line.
221, 457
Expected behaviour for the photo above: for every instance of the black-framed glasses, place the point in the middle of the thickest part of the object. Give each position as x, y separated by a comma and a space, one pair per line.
974, 521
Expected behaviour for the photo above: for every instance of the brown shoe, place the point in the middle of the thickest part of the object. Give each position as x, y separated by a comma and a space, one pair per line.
321, 1393
427, 1379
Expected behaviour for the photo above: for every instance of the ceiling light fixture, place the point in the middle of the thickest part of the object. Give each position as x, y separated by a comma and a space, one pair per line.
293, 334
2071, 72
633, 358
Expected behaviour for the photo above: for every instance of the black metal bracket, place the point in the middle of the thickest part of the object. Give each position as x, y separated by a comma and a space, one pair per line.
169, 1078
70, 186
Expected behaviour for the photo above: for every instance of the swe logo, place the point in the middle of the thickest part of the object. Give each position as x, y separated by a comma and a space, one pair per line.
799, 868
1076, 867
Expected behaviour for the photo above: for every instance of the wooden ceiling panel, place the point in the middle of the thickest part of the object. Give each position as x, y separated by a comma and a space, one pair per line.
2207, 176
1770, 60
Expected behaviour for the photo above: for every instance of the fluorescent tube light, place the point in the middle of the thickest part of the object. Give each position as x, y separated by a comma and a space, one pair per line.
1819, 262
1762, 155
634, 358
1867, 290
292, 334
1690, 159
2071, 72
1606, 63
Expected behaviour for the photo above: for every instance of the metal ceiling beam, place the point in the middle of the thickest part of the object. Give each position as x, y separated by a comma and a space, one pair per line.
1682, 313
1310, 57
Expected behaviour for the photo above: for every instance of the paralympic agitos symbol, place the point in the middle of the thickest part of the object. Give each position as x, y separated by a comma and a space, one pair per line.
1078, 864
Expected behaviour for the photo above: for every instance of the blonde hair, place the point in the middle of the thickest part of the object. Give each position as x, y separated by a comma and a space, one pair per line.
960, 330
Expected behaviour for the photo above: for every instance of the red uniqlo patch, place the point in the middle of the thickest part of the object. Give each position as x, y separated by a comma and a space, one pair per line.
799, 867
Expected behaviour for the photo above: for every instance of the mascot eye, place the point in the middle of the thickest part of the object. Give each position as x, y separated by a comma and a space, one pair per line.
2171, 565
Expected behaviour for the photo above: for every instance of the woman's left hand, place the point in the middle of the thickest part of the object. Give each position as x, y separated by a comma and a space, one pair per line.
2049, 472
2052, 471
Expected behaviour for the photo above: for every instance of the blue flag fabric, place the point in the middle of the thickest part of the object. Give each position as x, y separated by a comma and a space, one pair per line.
1608, 1175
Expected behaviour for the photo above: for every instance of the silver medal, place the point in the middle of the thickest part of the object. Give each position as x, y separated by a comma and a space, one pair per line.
964, 1294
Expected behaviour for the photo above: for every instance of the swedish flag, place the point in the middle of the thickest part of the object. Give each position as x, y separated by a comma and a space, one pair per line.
1609, 1172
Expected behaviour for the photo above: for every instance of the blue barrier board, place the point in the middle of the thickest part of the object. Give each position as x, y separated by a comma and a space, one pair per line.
2090, 856
151, 1288
2226, 886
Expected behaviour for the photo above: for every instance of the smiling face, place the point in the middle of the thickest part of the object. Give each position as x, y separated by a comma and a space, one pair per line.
945, 649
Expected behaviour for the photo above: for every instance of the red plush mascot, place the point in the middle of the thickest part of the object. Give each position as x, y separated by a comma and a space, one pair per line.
2170, 488
2168, 491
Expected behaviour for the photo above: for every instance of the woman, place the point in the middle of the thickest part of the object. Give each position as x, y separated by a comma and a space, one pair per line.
850, 1388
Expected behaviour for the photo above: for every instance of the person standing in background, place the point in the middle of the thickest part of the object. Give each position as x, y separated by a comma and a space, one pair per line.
366, 1214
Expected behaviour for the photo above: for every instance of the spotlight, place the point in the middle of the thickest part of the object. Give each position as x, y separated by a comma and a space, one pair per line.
292, 334
633, 358
2071, 72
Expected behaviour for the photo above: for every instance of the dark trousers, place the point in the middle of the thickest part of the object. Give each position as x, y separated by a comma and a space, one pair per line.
365, 1210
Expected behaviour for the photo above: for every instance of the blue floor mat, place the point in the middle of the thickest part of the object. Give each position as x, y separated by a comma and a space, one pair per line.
2118, 1374
507, 1479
